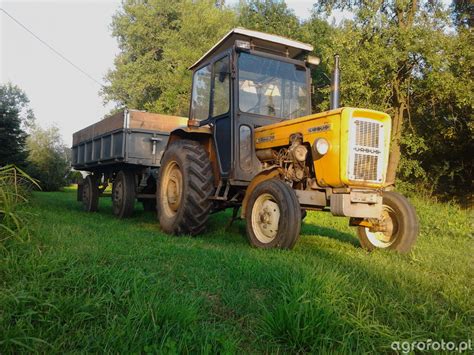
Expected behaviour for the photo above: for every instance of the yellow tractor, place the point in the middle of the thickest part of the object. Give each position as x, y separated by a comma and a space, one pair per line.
252, 142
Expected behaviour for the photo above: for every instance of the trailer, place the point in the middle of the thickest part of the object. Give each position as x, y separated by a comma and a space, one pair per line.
125, 150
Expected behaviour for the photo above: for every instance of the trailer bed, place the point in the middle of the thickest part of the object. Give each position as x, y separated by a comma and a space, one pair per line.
129, 136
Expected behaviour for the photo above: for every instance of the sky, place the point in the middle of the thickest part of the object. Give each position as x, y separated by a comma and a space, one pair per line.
59, 94
80, 30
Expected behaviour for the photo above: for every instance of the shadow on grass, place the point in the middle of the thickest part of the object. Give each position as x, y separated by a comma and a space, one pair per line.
314, 230
217, 226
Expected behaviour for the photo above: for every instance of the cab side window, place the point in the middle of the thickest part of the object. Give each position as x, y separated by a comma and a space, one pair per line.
221, 95
201, 95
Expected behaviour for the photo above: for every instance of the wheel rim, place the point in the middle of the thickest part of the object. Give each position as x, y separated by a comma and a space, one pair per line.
117, 194
265, 218
386, 238
172, 189
86, 194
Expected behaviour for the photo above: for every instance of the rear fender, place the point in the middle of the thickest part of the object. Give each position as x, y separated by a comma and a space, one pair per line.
203, 135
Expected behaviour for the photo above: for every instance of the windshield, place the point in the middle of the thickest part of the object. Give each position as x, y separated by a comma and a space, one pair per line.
272, 87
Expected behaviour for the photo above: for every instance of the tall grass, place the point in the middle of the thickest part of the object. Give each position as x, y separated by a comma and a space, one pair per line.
15, 186
91, 283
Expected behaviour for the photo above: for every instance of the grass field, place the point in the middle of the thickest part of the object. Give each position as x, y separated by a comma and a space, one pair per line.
93, 283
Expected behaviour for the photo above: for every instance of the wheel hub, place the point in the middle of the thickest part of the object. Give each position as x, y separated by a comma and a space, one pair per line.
383, 232
118, 193
265, 218
172, 188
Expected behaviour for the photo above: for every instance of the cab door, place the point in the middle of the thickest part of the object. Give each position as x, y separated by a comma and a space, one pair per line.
220, 112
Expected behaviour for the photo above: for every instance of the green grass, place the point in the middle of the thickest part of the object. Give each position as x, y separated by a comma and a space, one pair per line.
90, 282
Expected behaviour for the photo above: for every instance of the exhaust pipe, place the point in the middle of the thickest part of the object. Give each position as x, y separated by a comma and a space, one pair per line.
335, 80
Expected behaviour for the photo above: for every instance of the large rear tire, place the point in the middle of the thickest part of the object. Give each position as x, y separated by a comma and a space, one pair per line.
401, 224
185, 185
123, 194
273, 216
90, 194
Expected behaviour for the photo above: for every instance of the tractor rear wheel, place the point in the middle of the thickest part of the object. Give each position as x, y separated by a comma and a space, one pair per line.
90, 194
123, 194
185, 185
273, 216
400, 226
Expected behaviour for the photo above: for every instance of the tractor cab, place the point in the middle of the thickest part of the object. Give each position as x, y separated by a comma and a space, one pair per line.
247, 80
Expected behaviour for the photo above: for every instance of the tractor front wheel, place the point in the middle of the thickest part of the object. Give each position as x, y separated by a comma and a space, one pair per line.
185, 185
396, 230
273, 216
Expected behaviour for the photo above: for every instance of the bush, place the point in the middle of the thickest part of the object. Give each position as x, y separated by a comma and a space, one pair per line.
48, 158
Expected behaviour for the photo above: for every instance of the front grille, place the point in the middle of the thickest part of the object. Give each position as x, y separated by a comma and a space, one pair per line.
366, 150
365, 167
367, 133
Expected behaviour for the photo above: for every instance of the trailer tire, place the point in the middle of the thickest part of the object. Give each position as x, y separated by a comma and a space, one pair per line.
273, 216
90, 194
184, 187
401, 216
123, 194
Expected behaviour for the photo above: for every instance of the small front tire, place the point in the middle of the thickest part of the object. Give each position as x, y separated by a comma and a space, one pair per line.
273, 216
401, 223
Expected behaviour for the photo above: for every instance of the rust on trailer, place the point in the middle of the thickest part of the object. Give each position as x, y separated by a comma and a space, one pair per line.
156, 121
129, 119
108, 124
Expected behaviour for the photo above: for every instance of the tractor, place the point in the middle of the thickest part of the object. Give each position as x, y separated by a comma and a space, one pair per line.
251, 144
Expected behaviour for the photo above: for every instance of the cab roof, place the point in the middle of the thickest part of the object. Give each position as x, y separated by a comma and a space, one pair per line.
262, 41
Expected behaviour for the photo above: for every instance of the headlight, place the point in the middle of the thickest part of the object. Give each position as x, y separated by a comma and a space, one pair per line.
321, 146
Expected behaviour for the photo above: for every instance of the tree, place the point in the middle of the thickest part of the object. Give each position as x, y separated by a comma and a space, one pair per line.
390, 51
15, 117
271, 16
48, 158
159, 40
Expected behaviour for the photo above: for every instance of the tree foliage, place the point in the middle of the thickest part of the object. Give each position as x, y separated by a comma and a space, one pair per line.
15, 117
159, 40
269, 16
404, 58
48, 158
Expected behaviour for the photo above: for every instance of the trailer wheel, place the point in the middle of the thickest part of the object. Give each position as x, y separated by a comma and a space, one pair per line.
273, 216
90, 194
401, 224
123, 194
185, 184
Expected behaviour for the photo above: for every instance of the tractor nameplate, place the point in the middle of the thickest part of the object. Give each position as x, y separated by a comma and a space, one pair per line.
266, 139
322, 128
